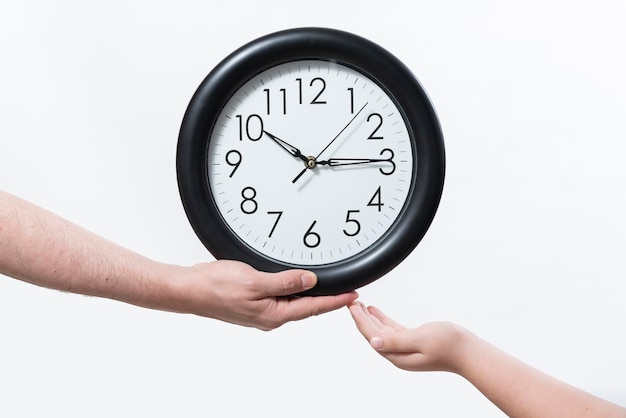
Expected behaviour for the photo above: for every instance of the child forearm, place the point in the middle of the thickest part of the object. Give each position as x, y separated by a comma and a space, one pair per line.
520, 390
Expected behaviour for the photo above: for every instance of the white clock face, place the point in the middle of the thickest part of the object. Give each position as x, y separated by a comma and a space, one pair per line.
310, 162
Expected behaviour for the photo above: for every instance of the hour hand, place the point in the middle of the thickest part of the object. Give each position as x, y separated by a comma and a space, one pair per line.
286, 146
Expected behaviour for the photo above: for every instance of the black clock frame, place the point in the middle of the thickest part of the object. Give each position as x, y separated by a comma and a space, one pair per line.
330, 45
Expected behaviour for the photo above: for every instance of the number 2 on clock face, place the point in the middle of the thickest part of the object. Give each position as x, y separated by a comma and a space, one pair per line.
310, 162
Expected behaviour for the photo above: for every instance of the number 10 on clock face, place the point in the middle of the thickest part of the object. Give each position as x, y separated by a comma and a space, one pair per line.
310, 162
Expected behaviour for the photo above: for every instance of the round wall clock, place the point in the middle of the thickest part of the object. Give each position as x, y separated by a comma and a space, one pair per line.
311, 148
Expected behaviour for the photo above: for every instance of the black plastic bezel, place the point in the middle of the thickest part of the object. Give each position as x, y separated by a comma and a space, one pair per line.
347, 49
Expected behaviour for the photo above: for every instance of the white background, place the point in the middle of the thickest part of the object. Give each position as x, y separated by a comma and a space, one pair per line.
527, 249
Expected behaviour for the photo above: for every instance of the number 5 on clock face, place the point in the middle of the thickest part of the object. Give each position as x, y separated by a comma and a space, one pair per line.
328, 159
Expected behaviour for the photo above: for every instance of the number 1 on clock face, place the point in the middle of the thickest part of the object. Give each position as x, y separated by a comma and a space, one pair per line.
310, 162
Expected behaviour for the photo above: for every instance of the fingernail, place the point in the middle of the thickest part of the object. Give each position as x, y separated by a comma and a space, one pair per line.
308, 280
377, 343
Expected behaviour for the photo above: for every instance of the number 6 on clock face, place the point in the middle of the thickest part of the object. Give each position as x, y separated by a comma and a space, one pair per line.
311, 148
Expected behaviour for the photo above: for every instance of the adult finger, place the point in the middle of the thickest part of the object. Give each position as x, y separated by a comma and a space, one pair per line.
285, 283
306, 306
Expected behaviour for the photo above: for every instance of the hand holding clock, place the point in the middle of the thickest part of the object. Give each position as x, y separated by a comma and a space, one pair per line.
242, 295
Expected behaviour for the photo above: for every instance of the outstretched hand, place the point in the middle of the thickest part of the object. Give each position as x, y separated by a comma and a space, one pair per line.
518, 389
431, 347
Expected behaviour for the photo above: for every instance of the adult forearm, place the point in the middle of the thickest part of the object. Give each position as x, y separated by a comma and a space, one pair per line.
520, 390
42, 248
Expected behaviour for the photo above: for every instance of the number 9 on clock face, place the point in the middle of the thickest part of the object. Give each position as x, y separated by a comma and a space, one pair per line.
296, 158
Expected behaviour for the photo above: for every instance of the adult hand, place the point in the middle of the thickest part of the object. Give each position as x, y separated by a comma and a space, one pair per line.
236, 292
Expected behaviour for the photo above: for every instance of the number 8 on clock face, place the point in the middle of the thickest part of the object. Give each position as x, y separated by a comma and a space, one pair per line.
298, 156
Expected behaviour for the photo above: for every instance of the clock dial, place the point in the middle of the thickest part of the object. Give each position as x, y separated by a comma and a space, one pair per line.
310, 162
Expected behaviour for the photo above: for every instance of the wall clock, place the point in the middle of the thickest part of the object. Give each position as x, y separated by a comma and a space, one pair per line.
311, 148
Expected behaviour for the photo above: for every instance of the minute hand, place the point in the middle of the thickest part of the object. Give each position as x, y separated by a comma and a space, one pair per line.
333, 162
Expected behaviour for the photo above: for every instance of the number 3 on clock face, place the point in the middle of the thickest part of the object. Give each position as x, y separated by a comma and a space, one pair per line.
311, 148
